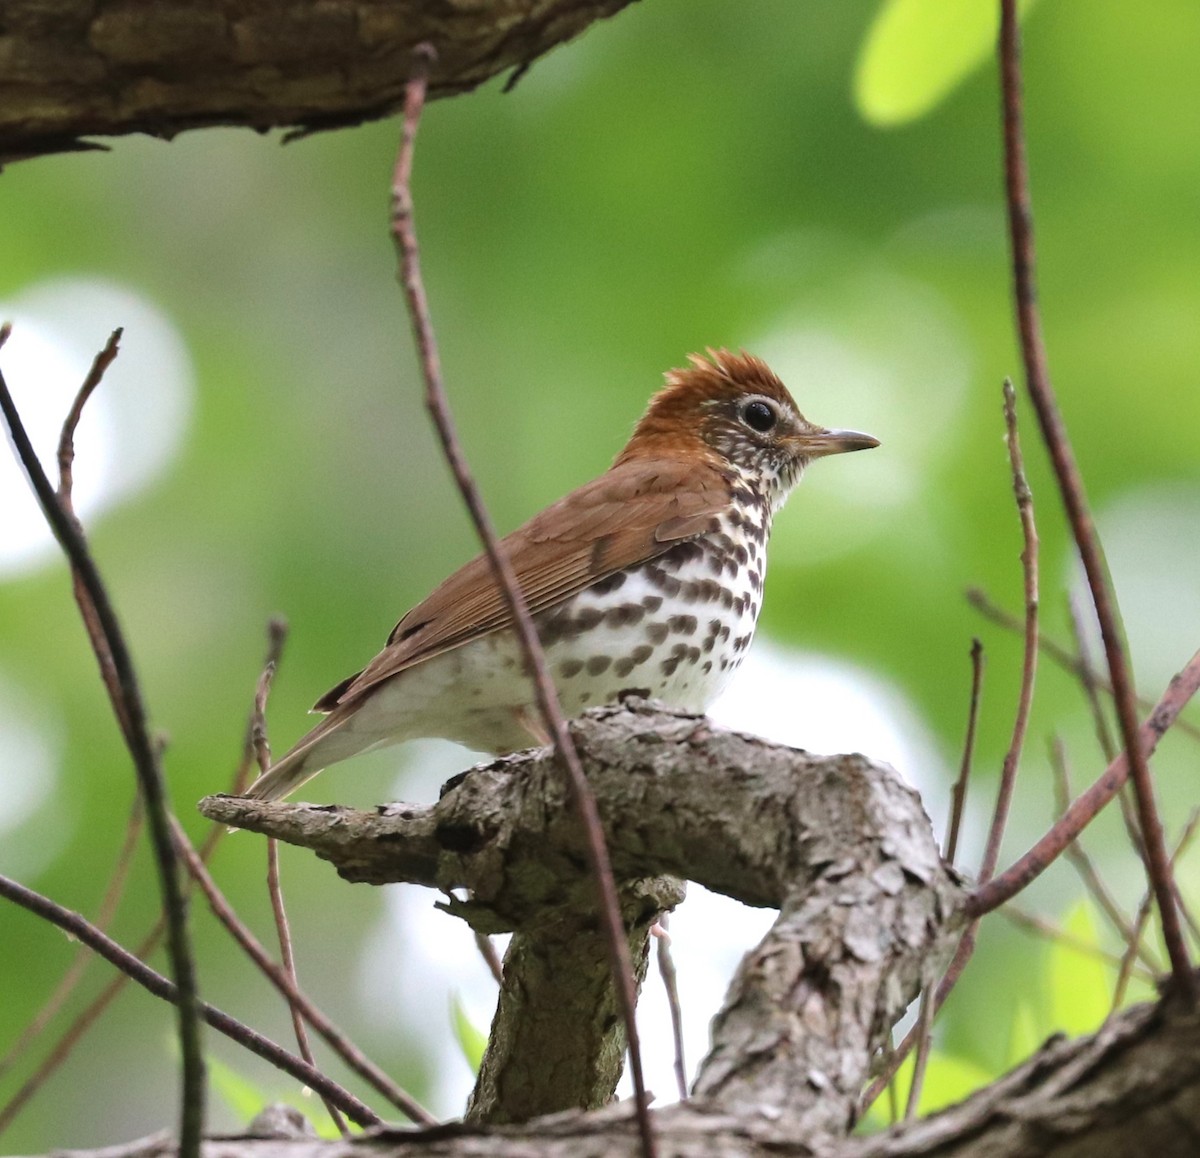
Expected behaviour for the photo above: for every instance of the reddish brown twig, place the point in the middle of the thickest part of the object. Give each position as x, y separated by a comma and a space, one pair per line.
91, 1013
1081, 669
284, 932
113, 893
1029, 567
1079, 858
131, 714
490, 957
1041, 927
262, 753
958, 797
1125, 972
1086, 806
923, 1031
1070, 482
405, 236
670, 980
1089, 682
283, 982
962, 955
82, 929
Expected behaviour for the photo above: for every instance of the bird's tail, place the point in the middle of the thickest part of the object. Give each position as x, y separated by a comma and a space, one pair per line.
326, 744
283, 777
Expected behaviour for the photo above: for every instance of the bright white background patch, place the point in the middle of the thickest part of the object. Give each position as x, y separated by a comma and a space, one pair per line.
133, 425
418, 957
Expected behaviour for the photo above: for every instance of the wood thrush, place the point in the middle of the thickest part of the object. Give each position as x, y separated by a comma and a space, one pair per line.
650, 577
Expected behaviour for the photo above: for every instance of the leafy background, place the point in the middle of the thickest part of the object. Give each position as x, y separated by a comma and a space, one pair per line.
818, 182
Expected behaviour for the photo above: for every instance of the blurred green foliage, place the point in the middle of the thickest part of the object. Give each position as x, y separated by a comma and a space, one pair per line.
691, 173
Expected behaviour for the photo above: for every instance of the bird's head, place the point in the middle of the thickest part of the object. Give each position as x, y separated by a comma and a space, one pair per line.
731, 410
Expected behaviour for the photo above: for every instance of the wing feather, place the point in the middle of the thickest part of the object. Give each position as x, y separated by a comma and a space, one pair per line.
634, 512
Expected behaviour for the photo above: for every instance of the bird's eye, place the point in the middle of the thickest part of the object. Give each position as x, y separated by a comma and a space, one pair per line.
759, 416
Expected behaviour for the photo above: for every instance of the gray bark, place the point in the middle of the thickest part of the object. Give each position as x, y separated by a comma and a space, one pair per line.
1131, 1090
839, 845
867, 910
75, 69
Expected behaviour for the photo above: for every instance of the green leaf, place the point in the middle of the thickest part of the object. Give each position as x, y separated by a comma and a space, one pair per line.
948, 1079
246, 1099
243, 1097
916, 53
1081, 983
470, 1039
1024, 1034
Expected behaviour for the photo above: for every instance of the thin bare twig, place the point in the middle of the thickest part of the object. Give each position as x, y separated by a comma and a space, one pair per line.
262, 753
278, 976
1084, 808
284, 932
670, 980
924, 1035
1070, 482
1081, 669
1029, 567
1041, 927
1089, 681
899, 1054
79, 927
131, 713
91, 1013
1079, 858
408, 252
490, 957
1143, 916
113, 893
959, 795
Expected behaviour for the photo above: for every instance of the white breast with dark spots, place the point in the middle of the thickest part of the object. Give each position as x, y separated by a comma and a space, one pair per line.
675, 627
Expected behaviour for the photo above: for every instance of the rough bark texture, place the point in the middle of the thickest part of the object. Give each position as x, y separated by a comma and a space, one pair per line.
73, 69
1131, 1090
840, 845
867, 910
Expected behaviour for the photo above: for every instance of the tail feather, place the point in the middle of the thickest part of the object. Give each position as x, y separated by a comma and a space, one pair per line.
326, 744
282, 778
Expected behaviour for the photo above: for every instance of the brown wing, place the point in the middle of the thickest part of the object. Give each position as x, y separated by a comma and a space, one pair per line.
635, 511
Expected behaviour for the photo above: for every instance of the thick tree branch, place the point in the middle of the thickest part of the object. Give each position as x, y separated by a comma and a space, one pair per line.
1133, 1088
74, 69
838, 844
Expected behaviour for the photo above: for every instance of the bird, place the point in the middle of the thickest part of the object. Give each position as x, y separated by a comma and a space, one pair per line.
647, 579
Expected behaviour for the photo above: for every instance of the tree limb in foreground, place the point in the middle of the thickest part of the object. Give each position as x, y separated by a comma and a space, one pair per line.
74, 69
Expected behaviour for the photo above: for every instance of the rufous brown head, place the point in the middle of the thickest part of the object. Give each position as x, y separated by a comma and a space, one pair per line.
732, 410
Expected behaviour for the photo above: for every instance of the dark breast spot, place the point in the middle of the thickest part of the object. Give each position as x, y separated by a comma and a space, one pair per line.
598, 664
624, 614
569, 668
666, 583
641, 653
681, 553
608, 585
683, 624
588, 618
656, 632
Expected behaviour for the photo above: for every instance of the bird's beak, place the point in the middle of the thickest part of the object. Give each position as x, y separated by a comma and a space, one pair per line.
817, 443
